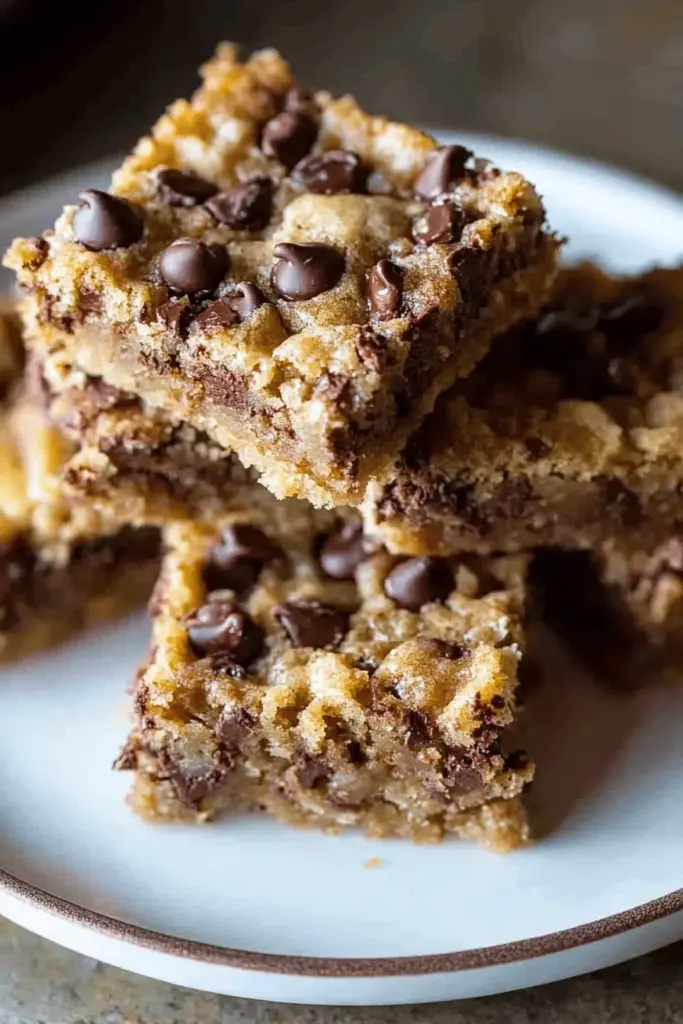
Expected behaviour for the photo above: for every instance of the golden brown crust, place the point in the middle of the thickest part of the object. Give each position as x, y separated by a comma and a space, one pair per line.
318, 391
394, 725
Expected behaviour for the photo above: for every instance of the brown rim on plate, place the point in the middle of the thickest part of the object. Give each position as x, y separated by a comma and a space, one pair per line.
346, 967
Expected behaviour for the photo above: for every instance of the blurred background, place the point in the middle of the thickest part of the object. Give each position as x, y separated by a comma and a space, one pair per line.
597, 77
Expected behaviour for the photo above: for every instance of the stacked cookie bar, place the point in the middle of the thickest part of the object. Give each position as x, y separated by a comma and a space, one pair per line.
64, 564
334, 364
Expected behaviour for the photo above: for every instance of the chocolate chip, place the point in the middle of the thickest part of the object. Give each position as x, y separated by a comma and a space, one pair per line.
190, 789
310, 623
189, 266
471, 268
218, 627
106, 222
233, 727
460, 774
218, 313
306, 270
183, 188
245, 299
236, 562
419, 581
342, 552
288, 137
439, 224
383, 285
246, 207
330, 173
443, 169
176, 314
420, 730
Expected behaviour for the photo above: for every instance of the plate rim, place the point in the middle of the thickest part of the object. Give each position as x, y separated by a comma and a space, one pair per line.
477, 958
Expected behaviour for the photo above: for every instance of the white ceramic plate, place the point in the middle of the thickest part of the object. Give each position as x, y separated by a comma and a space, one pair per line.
252, 908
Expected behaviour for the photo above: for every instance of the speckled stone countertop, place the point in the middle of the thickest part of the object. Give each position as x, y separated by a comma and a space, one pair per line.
43, 984
600, 78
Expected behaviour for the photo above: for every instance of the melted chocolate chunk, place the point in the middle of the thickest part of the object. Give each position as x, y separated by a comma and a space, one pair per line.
218, 313
190, 267
233, 727
439, 224
342, 552
419, 581
304, 271
288, 137
472, 270
246, 207
236, 562
183, 188
218, 627
106, 222
310, 623
420, 731
245, 299
190, 788
460, 774
383, 286
331, 173
444, 168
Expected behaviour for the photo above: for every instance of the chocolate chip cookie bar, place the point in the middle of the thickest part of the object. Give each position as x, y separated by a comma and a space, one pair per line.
569, 433
619, 609
133, 462
291, 276
62, 565
296, 670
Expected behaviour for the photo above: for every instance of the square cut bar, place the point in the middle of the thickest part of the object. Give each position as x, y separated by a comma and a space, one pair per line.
292, 276
134, 463
295, 671
62, 565
620, 610
570, 433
